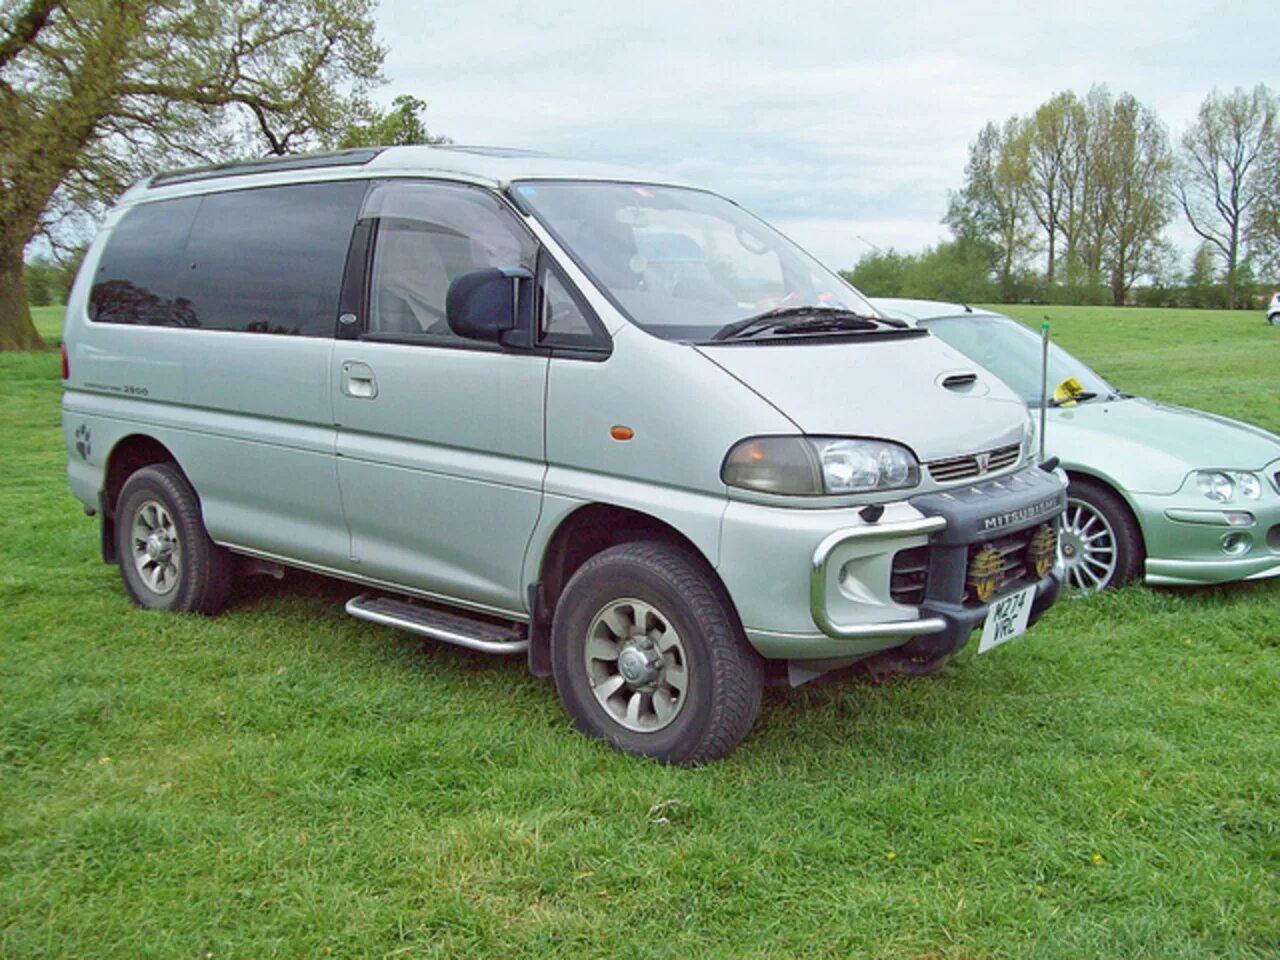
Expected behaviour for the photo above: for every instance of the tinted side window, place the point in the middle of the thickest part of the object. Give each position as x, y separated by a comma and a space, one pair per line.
137, 275
270, 260
428, 235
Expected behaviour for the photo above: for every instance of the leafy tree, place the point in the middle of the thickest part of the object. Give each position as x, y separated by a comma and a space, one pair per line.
881, 274
1225, 183
1263, 230
96, 93
1133, 169
957, 270
990, 206
400, 126
1050, 138
1201, 284
47, 282
38, 277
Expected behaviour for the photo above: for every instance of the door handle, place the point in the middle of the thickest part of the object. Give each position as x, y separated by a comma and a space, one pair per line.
358, 381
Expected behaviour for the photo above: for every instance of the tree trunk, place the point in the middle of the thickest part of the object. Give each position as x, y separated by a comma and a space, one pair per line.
17, 332
1118, 289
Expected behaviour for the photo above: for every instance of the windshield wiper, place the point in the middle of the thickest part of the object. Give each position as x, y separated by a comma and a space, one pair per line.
1080, 397
793, 320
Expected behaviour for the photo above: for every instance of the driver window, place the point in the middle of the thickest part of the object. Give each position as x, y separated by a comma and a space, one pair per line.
428, 235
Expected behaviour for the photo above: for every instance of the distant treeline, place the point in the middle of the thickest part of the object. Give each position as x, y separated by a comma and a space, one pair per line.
960, 271
1072, 203
49, 282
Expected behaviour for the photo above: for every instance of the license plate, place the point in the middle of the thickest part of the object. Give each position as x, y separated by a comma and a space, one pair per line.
1007, 618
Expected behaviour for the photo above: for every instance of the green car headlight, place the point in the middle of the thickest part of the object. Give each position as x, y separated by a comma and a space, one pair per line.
813, 466
1250, 486
1222, 487
1215, 486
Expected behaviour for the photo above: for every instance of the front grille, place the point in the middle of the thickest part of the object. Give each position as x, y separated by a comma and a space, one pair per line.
910, 576
970, 465
1012, 566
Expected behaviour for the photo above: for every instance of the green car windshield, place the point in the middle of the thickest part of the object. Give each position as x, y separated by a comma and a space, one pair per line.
679, 262
1012, 353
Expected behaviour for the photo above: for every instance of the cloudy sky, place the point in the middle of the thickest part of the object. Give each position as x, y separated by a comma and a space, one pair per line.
845, 124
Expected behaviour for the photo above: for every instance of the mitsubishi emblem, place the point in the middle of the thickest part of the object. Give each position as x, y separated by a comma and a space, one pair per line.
984, 462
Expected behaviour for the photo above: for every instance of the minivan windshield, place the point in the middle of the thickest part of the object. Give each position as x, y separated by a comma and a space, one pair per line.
685, 264
1012, 353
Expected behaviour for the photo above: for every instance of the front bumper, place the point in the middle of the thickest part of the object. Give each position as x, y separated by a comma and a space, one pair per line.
1190, 541
851, 606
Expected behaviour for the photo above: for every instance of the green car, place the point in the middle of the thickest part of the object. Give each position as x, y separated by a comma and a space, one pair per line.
1176, 496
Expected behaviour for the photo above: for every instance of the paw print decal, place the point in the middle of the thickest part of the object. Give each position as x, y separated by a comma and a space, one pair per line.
84, 444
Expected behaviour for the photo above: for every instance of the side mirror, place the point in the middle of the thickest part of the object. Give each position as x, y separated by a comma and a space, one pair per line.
493, 304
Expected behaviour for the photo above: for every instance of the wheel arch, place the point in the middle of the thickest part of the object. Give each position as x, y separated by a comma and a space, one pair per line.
1074, 473
580, 535
129, 455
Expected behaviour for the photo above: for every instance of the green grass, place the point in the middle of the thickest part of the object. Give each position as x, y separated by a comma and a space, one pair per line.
48, 321
1225, 361
283, 781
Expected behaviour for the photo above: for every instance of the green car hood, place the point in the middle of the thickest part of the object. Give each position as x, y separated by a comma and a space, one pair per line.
1148, 447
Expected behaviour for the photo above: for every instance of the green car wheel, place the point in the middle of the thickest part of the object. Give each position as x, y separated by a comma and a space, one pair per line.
1101, 542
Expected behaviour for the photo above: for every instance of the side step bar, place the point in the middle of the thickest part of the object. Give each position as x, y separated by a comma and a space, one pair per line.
464, 631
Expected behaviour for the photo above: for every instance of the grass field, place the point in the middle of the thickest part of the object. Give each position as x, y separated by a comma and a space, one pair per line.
283, 781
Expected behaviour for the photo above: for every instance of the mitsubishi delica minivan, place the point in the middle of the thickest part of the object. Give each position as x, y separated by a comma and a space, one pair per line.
532, 406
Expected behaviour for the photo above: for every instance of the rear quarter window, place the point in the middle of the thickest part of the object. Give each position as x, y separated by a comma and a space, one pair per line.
136, 279
265, 260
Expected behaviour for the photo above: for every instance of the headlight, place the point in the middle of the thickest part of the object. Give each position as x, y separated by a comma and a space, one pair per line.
1222, 487
812, 466
1029, 437
1215, 486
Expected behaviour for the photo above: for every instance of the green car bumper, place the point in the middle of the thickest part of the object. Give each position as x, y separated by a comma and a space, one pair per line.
1190, 540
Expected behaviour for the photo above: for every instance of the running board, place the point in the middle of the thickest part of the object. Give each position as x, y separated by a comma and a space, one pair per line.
464, 631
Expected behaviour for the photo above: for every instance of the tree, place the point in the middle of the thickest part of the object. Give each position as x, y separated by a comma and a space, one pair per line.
1132, 171
44, 282
95, 94
1223, 180
1050, 139
953, 270
990, 207
400, 126
1263, 230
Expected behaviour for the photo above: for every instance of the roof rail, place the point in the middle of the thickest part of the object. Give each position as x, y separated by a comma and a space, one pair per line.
356, 157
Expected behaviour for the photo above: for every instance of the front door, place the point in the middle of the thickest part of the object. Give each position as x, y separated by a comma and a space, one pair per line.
440, 439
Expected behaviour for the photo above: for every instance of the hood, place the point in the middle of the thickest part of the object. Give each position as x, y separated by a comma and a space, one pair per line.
1147, 446
888, 389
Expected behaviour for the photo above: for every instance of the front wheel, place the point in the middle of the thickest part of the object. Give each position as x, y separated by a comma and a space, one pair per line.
1100, 542
648, 655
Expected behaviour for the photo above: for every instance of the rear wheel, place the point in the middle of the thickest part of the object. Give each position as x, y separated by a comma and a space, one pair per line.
647, 654
166, 558
1101, 543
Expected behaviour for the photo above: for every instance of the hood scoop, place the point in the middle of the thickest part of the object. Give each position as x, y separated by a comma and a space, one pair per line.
962, 382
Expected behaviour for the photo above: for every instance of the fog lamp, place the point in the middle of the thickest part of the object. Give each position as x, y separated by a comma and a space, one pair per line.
1042, 551
984, 573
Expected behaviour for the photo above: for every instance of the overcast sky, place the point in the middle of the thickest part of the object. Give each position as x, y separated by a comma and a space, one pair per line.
844, 124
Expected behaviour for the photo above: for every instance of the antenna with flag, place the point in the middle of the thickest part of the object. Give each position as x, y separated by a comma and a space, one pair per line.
1044, 380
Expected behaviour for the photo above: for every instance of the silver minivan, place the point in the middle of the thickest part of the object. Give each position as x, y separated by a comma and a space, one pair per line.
613, 423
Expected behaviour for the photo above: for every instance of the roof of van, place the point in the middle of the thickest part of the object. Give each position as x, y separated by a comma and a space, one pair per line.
495, 166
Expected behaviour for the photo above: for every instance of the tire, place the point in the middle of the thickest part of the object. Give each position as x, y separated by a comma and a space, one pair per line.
1274, 319
1101, 541
166, 557
653, 612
